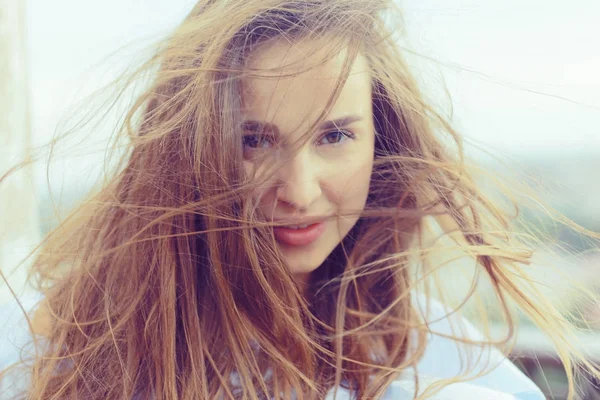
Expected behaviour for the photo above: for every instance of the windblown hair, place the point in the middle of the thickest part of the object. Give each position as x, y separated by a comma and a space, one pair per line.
166, 285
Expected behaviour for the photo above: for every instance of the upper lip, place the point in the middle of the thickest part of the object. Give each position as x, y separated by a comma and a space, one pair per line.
299, 221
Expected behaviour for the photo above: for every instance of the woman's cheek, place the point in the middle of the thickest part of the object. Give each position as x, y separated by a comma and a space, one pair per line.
352, 184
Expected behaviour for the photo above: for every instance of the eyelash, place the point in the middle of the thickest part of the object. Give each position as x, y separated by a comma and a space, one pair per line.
247, 138
344, 133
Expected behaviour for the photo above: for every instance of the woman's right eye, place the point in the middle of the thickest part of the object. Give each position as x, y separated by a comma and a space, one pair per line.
255, 141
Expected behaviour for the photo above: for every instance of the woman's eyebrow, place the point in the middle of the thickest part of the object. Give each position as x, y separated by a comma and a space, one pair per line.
260, 127
340, 122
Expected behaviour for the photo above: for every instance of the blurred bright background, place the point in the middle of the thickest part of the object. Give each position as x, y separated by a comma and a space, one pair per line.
523, 76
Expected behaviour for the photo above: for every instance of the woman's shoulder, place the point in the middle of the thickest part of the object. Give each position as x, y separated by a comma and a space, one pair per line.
446, 358
405, 389
485, 367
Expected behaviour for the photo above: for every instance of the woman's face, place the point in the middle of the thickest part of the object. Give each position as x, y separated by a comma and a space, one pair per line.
324, 176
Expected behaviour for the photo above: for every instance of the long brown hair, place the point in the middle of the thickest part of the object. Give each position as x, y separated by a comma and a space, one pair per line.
165, 285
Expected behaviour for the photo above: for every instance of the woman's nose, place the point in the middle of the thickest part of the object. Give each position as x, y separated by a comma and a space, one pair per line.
298, 183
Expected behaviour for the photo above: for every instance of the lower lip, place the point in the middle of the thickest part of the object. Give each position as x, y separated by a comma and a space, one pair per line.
299, 237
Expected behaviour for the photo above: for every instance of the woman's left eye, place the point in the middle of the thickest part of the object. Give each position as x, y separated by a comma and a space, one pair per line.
334, 137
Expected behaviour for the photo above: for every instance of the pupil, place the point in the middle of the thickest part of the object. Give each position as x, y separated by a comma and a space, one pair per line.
334, 137
252, 141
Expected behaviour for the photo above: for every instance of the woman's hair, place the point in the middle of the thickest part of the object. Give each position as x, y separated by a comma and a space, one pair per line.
165, 284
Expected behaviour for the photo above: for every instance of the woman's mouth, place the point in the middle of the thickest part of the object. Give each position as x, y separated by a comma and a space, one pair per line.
299, 235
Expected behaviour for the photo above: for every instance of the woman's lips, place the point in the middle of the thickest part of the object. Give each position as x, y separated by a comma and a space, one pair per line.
300, 236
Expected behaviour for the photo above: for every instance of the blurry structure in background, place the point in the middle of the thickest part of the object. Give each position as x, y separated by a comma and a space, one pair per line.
19, 228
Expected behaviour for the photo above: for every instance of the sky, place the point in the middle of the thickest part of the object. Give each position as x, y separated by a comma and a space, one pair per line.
524, 75
530, 77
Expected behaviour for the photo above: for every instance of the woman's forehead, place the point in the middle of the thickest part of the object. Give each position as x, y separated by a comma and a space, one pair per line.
294, 85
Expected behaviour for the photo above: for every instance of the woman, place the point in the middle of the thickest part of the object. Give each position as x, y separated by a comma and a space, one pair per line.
268, 234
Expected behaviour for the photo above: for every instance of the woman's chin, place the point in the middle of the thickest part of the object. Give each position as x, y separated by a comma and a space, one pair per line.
302, 267
302, 262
